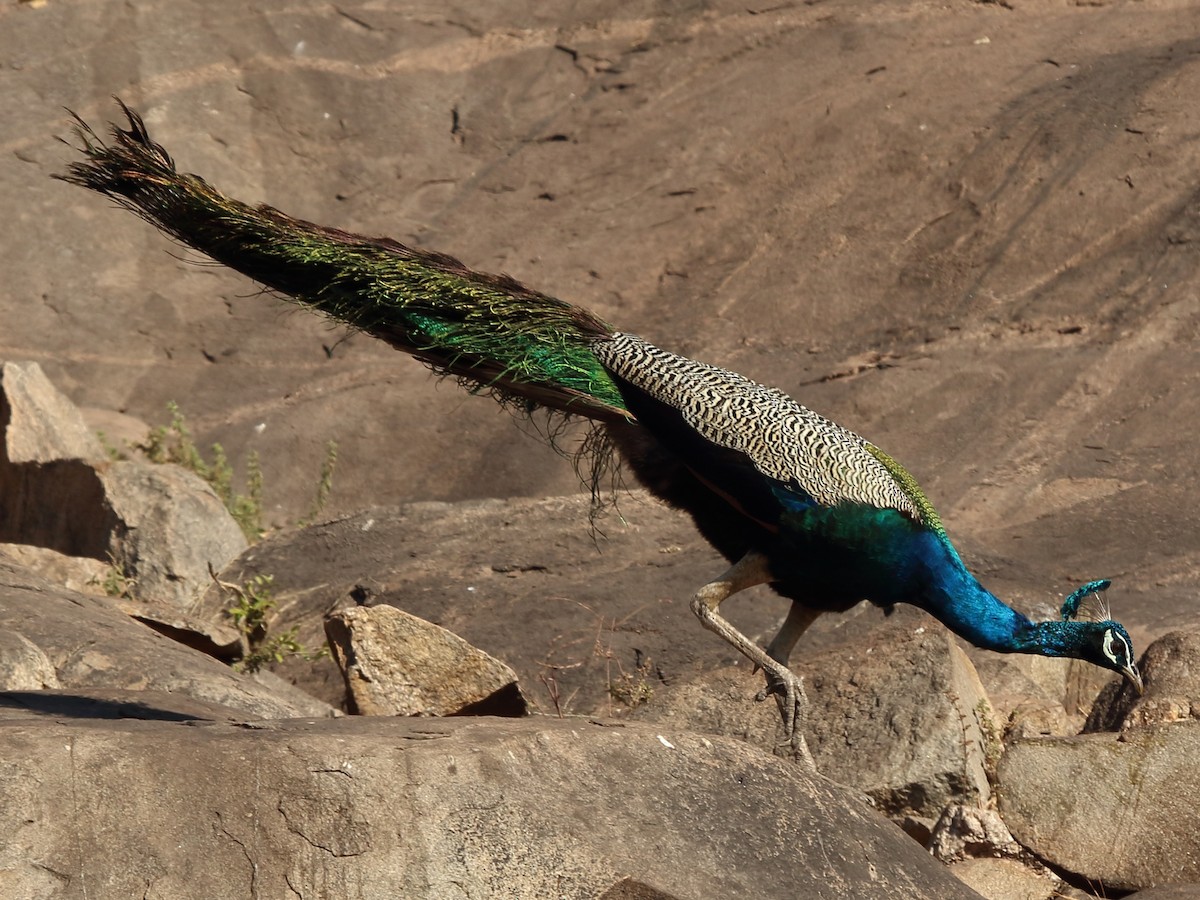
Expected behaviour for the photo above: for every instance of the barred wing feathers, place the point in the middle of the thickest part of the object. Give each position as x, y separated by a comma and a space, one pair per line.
813, 458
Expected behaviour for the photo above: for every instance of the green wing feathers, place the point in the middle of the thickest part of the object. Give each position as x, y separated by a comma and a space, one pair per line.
928, 515
486, 329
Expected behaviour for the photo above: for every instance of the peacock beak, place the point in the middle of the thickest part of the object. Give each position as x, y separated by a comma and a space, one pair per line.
1134, 677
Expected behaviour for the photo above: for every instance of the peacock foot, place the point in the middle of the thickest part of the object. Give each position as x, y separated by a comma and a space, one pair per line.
788, 691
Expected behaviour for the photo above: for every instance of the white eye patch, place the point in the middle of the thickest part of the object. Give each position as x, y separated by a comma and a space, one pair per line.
1115, 644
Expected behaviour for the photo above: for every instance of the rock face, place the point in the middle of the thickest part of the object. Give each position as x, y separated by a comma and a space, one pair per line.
398, 665
1121, 811
170, 527
1007, 879
68, 640
965, 831
898, 714
904, 718
369, 807
160, 525
52, 492
524, 581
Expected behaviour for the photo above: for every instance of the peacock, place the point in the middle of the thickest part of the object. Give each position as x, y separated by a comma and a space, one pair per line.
791, 499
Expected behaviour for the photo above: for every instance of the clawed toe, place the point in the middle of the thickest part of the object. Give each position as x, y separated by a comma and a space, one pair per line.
788, 691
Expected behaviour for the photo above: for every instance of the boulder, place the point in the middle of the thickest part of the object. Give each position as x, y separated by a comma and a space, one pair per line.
1006, 879
40, 424
897, 712
1170, 668
396, 664
982, 853
903, 717
160, 526
23, 665
396, 807
1120, 811
76, 573
48, 478
170, 527
963, 832
83, 641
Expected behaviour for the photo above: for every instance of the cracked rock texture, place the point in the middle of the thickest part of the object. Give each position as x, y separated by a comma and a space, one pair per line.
369, 807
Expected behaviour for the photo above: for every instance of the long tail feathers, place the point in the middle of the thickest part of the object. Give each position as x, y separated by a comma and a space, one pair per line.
487, 330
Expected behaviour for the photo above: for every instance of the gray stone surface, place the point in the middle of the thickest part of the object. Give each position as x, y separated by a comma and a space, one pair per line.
965, 831
170, 527
899, 716
1169, 892
40, 424
1006, 879
23, 665
1123, 812
396, 664
896, 714
91, 644
76, 573
52, 492
375, 807
161, 525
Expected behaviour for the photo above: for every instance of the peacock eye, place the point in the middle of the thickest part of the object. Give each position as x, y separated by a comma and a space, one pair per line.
1115, 647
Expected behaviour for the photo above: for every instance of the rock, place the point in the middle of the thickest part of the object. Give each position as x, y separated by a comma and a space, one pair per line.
23, 665
1170, 668
628, 889
966, 831
399, 807
40, 424
90, 644
171, 527
898, 713
1122, 811
719, 702
119, 433
218, 640
1006, 879
159, 525
576, 615
1034, 694
76, 573
115, 703
396, 664
902, 717
52, 492
90, 576
1168, 892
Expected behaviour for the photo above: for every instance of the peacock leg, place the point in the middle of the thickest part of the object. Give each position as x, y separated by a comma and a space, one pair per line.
750, 570
799, 617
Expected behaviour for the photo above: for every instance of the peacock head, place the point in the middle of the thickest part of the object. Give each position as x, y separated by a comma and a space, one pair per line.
1097, 638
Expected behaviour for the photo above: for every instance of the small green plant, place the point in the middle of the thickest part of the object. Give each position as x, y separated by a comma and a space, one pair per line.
253, 603
250, 614
173, 443
115, 582
993, 745
324, 483
633, 689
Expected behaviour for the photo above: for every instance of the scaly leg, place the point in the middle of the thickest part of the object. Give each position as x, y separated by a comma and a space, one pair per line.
750, 570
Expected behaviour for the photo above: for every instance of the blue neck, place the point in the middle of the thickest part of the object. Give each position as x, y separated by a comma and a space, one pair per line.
951, 593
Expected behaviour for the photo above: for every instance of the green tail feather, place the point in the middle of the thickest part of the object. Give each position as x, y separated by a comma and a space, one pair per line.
488, 330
